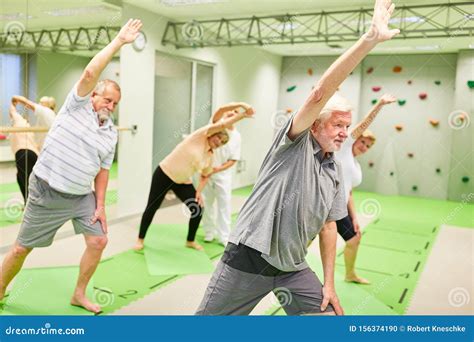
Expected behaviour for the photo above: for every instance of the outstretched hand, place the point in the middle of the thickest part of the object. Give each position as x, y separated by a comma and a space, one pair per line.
379, 30
129, 32
387, 99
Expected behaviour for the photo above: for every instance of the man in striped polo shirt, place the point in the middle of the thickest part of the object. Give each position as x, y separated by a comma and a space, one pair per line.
79, 149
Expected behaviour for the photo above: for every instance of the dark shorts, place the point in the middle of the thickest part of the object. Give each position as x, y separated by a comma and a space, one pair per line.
345, 228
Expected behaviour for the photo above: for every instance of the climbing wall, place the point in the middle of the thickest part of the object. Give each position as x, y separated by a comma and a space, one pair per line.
420, 150
411, 152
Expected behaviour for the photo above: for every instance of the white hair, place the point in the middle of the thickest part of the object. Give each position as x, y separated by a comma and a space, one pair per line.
335, 103
100, 87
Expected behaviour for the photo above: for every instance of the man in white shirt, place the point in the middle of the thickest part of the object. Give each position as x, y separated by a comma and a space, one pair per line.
78, 151
217, 220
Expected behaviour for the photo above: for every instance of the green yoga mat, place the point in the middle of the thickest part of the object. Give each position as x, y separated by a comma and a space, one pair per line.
6, 188
392, 255
354, 299
123, 279
166, 254
44, 291
243, 192
430, 211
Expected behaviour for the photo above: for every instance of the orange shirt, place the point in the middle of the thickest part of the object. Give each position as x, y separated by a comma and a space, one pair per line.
191, 155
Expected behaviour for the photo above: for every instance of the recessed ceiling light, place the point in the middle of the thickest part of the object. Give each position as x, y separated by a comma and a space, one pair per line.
407, 20
15, 16
173, 3
427, 47
68, 12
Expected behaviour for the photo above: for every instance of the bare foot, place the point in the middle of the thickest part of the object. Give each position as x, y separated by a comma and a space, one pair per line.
195, 245
3, 295
139, 245
357, 279
83, 302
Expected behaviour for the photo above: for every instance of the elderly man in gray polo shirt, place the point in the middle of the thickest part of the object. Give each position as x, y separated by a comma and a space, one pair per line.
298, 195
78, 151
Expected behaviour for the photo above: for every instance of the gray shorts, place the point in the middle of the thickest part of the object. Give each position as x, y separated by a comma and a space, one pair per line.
234, 292
47, 210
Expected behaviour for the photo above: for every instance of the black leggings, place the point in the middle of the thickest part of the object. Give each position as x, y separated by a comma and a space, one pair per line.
25, 160
160, 185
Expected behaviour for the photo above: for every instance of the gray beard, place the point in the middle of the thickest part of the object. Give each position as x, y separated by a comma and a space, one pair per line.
103, 116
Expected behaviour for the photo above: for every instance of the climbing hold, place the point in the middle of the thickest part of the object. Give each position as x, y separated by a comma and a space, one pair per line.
391, 173
470, 84
376, 89
438, 170
465, 179
397, 69
423, 96
437, 82
414, 188
370, 70
399, 128
410, 82
310, 72
374, 101
402, 102
289, 110
290, 89
434, 122
410, 155
371, 164
3, 137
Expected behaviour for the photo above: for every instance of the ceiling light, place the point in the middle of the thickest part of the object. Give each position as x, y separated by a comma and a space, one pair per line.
173, 3
69, 12
427, 47
15, 16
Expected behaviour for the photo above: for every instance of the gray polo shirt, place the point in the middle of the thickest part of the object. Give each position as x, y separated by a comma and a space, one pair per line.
297, 191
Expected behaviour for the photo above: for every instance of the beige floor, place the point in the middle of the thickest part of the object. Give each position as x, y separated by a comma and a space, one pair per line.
444, 275
446, 284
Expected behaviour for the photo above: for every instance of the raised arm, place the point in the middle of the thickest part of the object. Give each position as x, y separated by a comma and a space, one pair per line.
370, 117
13, 113
343, 66
219, 113
229, 119
24, 101
91, 74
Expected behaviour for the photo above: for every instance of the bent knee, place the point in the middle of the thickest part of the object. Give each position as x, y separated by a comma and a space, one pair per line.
97, 242
354, 241
19, 251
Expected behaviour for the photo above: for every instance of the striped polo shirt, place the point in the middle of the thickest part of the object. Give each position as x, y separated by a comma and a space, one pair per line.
76, 147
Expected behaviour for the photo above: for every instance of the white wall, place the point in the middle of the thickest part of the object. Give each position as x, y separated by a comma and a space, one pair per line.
241, 74
462, 141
